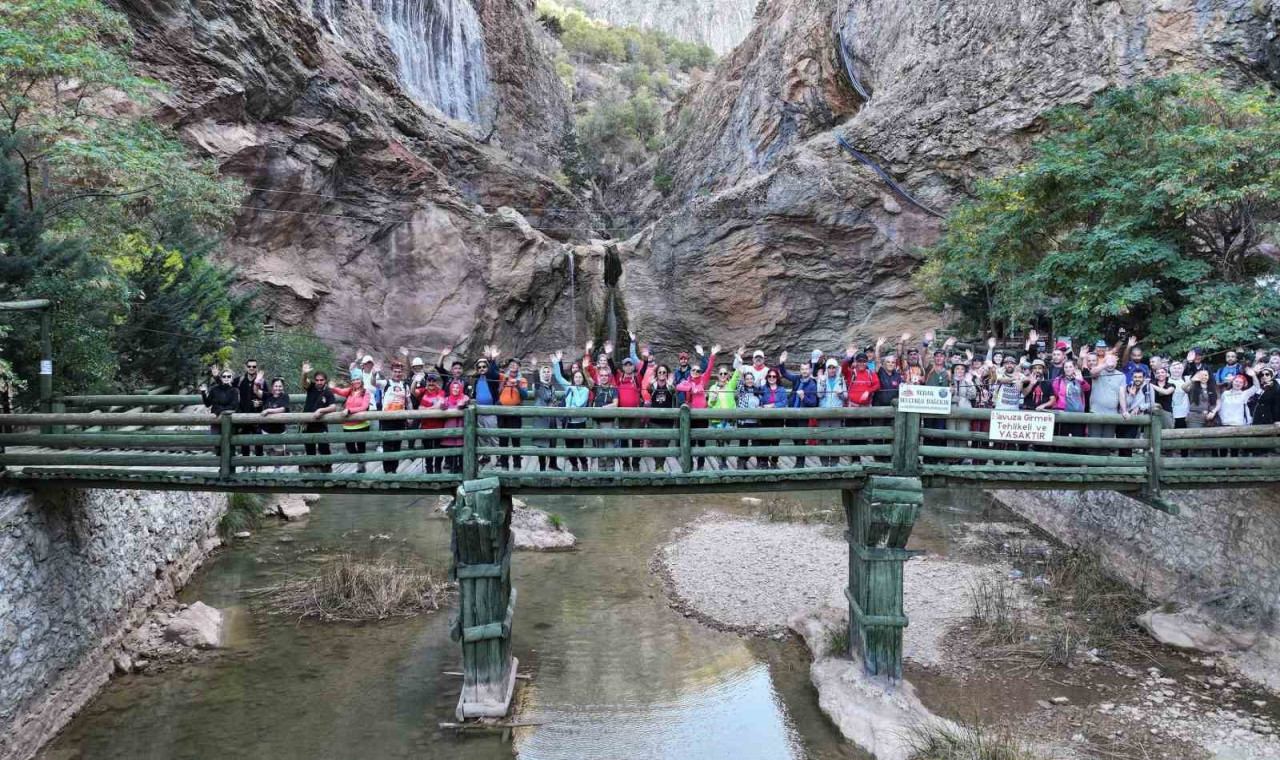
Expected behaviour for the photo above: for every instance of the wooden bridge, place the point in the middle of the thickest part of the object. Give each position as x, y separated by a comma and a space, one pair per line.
881, 459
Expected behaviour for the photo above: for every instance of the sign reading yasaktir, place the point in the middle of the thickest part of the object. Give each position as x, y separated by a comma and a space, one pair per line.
926, 399
1027, 427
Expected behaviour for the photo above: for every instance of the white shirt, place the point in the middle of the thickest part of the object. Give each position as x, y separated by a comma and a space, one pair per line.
1233, 407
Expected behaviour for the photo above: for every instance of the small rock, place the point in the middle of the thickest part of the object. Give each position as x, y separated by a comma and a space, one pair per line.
1077, 738
199, 626
752, 501
243, 534
1259, 703
1209, 662
1060, 701
1106, 707
1044, 705
890, 205
1217, 683
1167, 681
123, 664
141, 664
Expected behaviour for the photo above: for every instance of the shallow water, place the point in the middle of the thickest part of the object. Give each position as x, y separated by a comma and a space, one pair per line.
617, 672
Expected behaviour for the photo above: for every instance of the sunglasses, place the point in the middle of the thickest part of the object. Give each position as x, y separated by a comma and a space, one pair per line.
250, 366
226, 376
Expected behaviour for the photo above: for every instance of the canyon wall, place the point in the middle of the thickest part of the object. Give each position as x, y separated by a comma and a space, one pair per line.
382, 141
773, 236
78, 569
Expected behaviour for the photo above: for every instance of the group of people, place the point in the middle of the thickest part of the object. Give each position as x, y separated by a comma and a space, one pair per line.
1102, 378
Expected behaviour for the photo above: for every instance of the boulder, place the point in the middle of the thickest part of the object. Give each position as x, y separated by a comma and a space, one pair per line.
199, 626
289, 506
1188, 629
532, 530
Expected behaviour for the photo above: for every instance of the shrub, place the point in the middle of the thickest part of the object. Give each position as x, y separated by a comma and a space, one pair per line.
938, 741
244, 512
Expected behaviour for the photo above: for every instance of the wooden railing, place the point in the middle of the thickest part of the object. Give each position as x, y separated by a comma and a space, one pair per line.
619, 447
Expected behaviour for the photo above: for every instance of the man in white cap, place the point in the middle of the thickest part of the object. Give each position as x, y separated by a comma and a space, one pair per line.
759, 369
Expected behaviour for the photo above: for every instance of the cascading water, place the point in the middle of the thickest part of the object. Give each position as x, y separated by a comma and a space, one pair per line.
439, 45
611, 321
573, 303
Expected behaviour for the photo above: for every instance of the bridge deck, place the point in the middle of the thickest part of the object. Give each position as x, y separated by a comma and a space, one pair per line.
697, 452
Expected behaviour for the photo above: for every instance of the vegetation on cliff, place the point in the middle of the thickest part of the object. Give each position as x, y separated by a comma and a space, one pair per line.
1152, 211
623, 81
104, 211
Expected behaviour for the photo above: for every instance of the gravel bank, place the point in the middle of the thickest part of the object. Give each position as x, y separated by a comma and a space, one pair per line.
754, 577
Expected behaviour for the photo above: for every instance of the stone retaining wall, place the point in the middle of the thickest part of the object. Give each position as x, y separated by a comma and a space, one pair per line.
79, 568
1225, 540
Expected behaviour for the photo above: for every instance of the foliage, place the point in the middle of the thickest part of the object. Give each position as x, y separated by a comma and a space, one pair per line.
182, 313
281, 352
1145, 212
244, 512
557, 522
944, 741
118, 220
662, 179
598, 41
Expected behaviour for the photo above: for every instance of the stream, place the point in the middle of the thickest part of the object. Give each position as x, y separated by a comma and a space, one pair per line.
616, 672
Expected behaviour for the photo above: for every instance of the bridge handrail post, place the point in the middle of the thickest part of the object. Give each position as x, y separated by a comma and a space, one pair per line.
1155, 465
470, 463
224, 445
686, 439
906, 442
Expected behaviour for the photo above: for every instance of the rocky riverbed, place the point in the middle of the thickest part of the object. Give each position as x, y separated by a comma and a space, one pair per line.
1130, 699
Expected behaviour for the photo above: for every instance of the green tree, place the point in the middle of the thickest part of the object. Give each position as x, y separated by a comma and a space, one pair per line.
1146, 212
119, 217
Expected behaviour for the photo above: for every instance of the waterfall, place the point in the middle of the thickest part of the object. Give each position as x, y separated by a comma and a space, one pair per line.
439, 45
573, 303
611, 321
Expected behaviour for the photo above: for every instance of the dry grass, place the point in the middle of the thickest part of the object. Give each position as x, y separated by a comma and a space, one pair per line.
996, 611
779, 509
976, 742
1098, 607
354, 589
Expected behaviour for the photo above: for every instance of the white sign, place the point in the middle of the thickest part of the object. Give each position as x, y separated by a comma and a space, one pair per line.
927, 399
1028, 427
46, 367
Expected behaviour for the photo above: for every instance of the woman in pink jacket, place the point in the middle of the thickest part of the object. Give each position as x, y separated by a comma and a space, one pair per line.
695, 391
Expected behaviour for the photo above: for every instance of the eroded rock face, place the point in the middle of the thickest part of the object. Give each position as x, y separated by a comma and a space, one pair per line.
373, 218
773, 235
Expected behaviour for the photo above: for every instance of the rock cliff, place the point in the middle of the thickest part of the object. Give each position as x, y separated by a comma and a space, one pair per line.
774, 235
379, 217
720, 24
378, 141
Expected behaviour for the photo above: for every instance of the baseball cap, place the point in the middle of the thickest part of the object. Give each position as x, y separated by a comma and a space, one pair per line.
684, 354
357, 375
367, 359
1061, 345
1038, 363
627, 360
1100, 343
832, 363
861, 357
417, 362
432, 376
757, 353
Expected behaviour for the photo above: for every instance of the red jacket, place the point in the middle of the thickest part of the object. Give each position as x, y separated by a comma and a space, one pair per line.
861, 383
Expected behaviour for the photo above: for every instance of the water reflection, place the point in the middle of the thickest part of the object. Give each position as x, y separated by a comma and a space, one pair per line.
618, 673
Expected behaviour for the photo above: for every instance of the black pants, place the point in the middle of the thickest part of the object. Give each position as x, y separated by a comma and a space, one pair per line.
510, 423
391, 465
770, 462
249, 430
454, 462
577, 463
660, 462
703, 424
323, 448
629, 463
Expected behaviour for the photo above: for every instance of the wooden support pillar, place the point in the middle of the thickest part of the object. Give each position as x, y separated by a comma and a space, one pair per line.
906, 442
482, 568
880, 518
